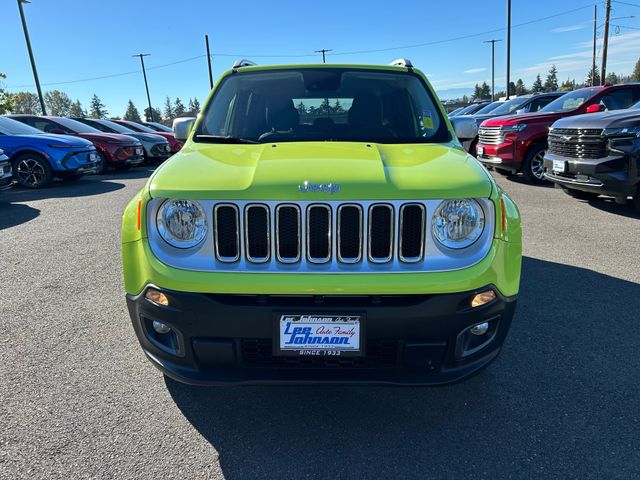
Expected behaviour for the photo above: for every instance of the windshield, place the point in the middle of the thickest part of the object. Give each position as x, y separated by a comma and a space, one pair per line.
570, 101
116, 127
323, 104
489, 108
469, 109
76, 126
158, 127
9, 126
510, 105
136, 127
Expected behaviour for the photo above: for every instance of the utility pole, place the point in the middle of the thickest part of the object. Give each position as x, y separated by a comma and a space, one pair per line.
508, 46
493, 67
33, 62
605, 43
324, 51
206, 41
595, 37
146, 85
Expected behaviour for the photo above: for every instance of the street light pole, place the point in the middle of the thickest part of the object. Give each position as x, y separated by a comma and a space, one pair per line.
605, 42
493, 67
146, 85
33, 62
508, 46
595, 37
206, 40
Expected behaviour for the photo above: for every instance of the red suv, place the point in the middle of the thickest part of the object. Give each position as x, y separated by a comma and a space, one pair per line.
518, 142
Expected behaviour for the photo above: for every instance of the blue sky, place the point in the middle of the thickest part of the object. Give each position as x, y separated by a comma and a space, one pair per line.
75, 40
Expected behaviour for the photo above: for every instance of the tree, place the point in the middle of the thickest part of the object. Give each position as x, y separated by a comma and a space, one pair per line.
588, 81
178, 108
97, 108
168, 113
156, 117
477, 92
635, 76
521, 89
485, 91
5, 97
25, 102
551, 82
537, 85
194, 105
132, 113
58, 103
568, 85
612, 78
512, 88
465, 99
76, 110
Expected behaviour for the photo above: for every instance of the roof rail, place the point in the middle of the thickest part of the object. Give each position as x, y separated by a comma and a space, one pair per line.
402, 62
243, 63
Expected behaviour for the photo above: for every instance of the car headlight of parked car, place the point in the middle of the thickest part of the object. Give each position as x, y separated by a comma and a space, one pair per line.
457, 223
513, 128
623, 132
182, 223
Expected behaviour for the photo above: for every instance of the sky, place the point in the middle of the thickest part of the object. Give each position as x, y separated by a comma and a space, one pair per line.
76, 41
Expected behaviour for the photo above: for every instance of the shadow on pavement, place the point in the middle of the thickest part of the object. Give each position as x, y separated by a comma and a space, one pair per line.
86, 186
517, 178
12, 214
562, 394
610, 206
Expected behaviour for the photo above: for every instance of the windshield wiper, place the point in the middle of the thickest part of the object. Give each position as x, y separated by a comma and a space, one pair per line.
221, 139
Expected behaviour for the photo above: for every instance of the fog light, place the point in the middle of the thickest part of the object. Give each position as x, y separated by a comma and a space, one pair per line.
157, 297
483, 298
479, 329
161, 327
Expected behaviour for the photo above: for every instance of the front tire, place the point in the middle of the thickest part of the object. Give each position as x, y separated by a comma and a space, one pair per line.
32, 171
533, 165
579, 194
103, 167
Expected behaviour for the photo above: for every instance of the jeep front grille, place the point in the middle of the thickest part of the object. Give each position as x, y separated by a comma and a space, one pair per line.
369, 236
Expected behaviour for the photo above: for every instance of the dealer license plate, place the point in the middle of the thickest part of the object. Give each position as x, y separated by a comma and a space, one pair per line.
139, 151
329, 335
480, 151
559, 166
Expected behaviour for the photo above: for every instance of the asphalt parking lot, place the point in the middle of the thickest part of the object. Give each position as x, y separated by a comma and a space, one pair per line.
79, 400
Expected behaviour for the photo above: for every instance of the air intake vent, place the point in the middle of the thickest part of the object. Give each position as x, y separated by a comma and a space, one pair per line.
380, 233
227, 233
349, 233
411, 232
257, 233
288, 233
319, 233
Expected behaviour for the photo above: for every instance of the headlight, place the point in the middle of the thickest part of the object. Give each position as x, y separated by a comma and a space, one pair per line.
182, 223
623, 132
457, 223
513, 128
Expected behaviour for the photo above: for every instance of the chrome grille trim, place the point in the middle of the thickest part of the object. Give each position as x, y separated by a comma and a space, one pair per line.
370, 236
280, 258
358, 257
412, 259
490, 136
206, 257
246, 235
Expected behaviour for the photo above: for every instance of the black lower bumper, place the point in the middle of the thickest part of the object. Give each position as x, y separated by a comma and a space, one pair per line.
409, 339
615, 176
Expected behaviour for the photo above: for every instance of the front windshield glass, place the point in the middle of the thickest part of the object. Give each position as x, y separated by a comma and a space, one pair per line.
75, 125
136, 127
9, 126
468, 110
323, 104
510, 106
158, 127
570, 101
489, 108
117, 127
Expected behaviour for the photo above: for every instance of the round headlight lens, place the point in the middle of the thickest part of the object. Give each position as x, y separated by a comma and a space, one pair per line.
457, 223
182, 223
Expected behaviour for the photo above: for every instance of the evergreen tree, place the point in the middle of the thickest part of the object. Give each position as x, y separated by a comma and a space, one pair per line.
612, 78
58, 103
537, 85
635, 76
5, 97
465, 99
156, 117
568, 85
477, 93
168, 113
301, 107
588, 81
76, 110
194, 105
521, 89
25, 102
132, 112
512, 88
551, 82
485, 91
97, 108
178, 108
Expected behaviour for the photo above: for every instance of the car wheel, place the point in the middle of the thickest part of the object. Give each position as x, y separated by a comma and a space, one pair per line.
32, 171
579, 194
533, 165
103, 167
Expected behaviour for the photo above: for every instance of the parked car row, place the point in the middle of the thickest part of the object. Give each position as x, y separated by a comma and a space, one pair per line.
41, 148
586, 141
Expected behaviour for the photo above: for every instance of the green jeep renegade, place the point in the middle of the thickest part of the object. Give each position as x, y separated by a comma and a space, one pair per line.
321, 224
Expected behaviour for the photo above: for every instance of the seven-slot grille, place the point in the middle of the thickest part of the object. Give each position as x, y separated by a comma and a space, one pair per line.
577, 143
319, 233
490, 136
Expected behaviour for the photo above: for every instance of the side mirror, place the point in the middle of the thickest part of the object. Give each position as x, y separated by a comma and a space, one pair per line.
182, 127
596, 107
465, 128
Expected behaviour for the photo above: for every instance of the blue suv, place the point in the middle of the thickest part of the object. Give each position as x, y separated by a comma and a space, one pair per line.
38, 157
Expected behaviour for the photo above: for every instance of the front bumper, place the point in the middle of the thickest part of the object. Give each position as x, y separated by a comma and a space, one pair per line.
220, 339
501, 156
616, 175
6, 177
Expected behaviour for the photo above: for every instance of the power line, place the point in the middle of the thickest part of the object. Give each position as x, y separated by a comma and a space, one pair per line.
308, 55
627, 3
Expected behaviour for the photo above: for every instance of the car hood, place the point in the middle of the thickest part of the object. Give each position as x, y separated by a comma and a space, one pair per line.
615, 119
531, 117
54, 139
109, 138
362, 171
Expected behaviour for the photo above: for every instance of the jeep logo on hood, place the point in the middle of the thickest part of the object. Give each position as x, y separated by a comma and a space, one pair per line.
319, 187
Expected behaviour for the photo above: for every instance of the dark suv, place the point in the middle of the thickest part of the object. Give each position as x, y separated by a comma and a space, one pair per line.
597, 154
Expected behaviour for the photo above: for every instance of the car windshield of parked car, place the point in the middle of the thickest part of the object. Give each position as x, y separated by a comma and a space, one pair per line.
75, 126
117, 127
9, 126
569, 101
510, 106
158, 127
468, 110
136, 127
323, 105
489, 108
